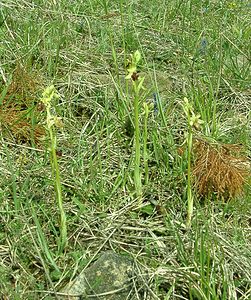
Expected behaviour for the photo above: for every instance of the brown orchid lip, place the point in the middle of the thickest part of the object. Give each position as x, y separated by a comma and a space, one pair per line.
135, 76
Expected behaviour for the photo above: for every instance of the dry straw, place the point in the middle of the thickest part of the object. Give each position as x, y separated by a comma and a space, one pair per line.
219, 168
18, 111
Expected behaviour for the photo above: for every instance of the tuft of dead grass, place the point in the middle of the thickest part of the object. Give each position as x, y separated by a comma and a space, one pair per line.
19, 102
23, 86
220, 168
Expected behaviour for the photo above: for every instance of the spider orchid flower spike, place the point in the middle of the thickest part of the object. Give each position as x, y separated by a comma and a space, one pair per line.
137, 82
53, 121
193, 121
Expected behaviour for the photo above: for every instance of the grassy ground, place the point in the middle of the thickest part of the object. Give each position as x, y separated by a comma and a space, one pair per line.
194, 49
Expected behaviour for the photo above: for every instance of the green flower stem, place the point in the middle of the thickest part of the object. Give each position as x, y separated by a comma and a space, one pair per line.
145, 154
189, 184
55, 171
137, 175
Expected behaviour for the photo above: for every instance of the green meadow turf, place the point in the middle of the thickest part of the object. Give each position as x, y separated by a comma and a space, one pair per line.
195, 49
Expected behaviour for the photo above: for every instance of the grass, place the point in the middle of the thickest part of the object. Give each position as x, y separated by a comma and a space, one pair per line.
194, 49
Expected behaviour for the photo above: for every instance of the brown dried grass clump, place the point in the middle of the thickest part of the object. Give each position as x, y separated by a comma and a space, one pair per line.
220, 168
16, 108
23, 86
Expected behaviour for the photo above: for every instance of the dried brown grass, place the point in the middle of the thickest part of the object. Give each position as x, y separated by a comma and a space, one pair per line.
20, 99
219, 168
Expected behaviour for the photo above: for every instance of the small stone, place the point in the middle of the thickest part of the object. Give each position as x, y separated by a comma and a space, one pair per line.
109, 278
